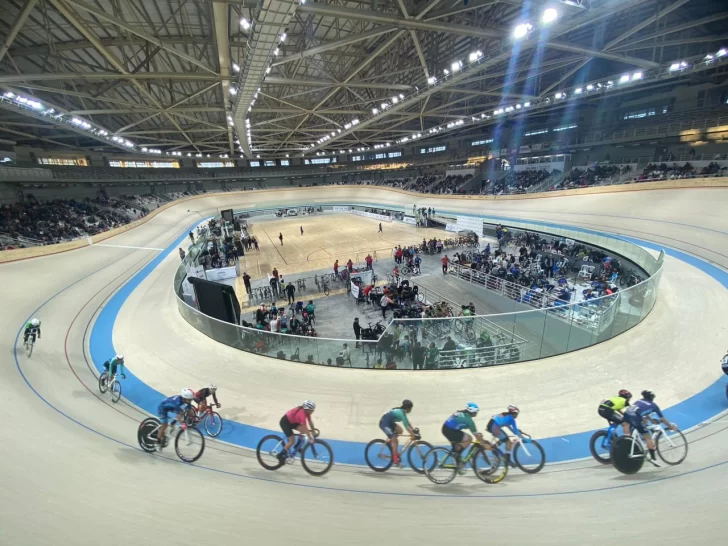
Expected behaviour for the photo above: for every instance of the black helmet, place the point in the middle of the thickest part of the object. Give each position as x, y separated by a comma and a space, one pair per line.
648, 395
407, 404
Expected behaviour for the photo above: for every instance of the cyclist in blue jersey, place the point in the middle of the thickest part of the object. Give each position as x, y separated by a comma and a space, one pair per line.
507, 419
173, 404
115, 365
388, 424
637, 412
454, 429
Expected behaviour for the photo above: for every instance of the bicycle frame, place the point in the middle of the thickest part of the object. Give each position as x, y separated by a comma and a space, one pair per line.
654, 430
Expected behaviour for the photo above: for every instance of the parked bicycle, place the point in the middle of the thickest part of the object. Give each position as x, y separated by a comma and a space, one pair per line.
322, 284
378, 453
317, 457
112, 385
209, 418
628, 452
300, 285
189, 443
441, 465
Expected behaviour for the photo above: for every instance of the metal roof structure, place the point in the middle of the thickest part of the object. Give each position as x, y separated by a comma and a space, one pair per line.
278, 77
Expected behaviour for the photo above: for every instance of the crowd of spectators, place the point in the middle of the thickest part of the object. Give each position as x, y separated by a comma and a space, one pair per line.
663, 171
60, 220
450, 184
517, 182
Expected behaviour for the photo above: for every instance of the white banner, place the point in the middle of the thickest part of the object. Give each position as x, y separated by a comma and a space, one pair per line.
341, 209
410, 220
365, 276
472, 224
196, 271
372, 215
221, 273
355, 290
452, 227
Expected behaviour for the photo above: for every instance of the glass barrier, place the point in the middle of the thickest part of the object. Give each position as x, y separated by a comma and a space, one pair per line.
534, 325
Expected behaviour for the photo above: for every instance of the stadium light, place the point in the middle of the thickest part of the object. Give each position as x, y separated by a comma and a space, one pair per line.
590, 87
521, 30
578, 90
456, 66
395, 100
446, 72
244, 23
431, 80
559, 96
549, 15
236, 67
722, 52
624, 79
375, 111
474, 56
636, 76
233, 90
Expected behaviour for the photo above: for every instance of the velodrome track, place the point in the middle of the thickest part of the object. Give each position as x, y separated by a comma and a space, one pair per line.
71, 471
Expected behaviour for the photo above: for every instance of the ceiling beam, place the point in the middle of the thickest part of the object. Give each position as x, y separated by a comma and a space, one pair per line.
76, 76
384, 18
17, 25
222, 45
575, 48
274, 80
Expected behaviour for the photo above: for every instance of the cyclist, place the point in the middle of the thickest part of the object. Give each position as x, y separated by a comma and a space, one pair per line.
502, 420
115, 364
31, 327
174, 404
635, 414
723, 362
453, 429
612, 409
201, 398
298, 418
388, 424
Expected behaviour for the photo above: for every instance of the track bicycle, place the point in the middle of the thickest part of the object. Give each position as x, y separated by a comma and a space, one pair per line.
441, 464
300, 284
189, 443
30, 342
378, 453
628, 452
527, 454
209, 418
317, 457
600, 443
112, 385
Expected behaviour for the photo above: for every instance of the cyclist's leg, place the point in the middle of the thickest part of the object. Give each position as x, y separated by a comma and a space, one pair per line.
288, 429
202, 407
164, 419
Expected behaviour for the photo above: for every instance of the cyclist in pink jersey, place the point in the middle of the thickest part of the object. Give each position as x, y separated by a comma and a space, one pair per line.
298, 418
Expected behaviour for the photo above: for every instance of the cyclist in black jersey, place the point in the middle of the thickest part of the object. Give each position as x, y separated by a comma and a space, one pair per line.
201, 398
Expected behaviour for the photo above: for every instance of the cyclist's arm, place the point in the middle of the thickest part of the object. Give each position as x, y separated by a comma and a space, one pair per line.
38, 332
514, 428
121, 370
405, 421
214, 397
309, 429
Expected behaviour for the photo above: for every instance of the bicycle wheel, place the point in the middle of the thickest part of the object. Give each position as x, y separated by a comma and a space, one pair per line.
267, 452
626, 458
416, 455
326, 290
115, 391
189, 444
458, 326
146, 434
672, 448
599, 445
489, 465
529, 457
29, 347
103, 387
439, 465
420, 297
406, 271
317, 457
378, 455
213, 424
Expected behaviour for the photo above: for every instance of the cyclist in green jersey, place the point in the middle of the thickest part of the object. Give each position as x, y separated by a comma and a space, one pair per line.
453, 428
388, 424
115, 365
31, 327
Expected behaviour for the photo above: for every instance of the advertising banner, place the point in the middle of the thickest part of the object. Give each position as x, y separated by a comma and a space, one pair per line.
221, 273
380, 217
339, 208
355, 291
410, 220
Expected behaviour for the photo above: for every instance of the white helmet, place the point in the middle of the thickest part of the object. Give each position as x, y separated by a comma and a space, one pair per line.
35, 323
472, 408
119, 356
309, 405
212, 388
188, 394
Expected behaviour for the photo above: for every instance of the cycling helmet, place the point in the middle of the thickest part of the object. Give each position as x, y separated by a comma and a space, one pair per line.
624, 393
35, 323
188, 394
309, 405
212, 388
119, 357
648, 395
513, 409
472, 408
407, 404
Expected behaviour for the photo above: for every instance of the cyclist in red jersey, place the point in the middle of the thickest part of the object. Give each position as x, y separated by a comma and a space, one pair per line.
298, 418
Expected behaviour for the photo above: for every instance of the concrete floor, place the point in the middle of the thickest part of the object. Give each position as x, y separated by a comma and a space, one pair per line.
77, 477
